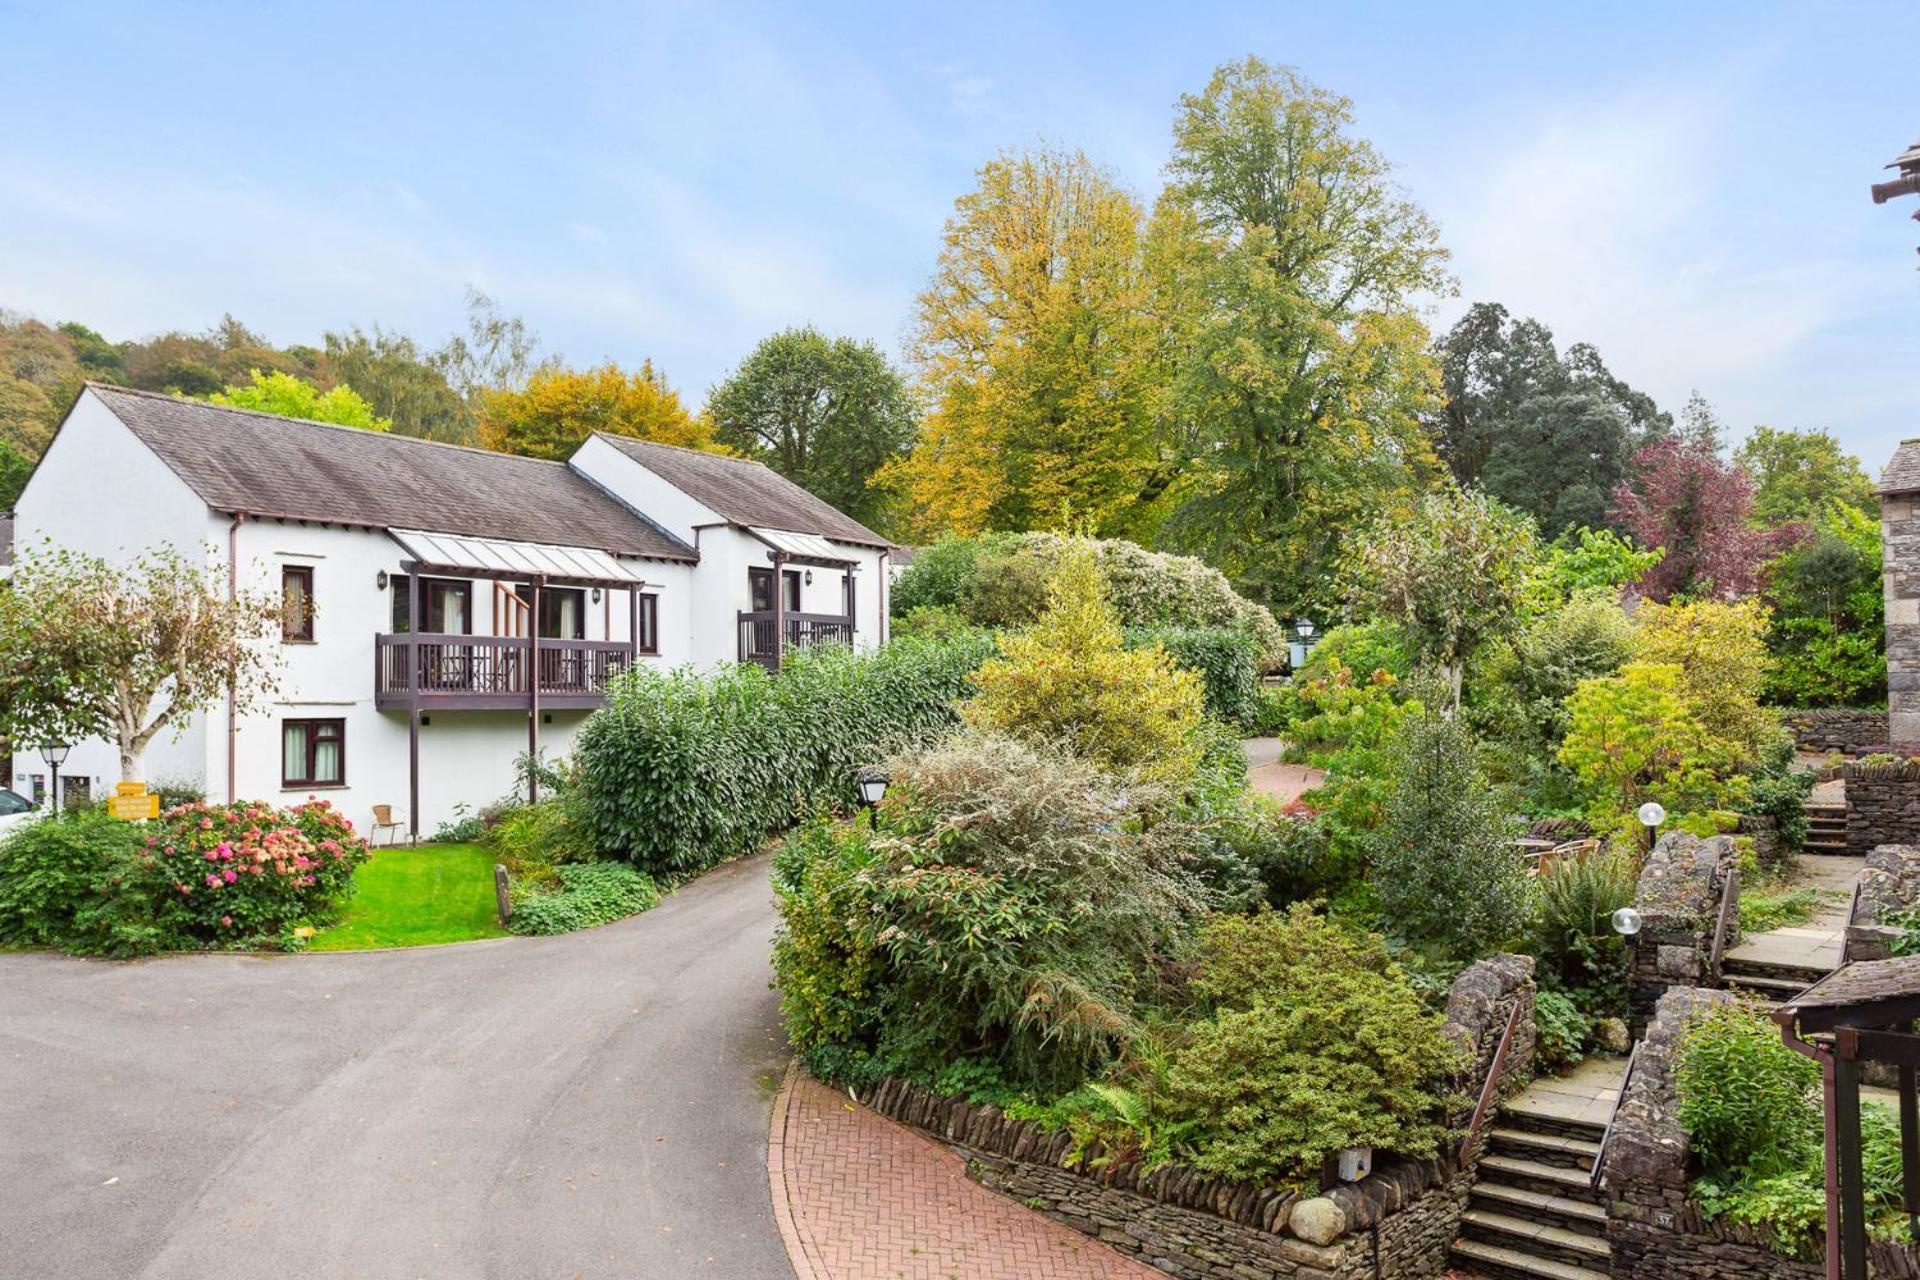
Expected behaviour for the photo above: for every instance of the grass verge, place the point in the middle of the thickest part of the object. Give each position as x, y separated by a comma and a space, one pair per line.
415, 897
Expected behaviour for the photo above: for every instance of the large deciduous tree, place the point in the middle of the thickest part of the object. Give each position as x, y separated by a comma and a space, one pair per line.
89, 649
290, 397
559, 408
404, 384
1683, 498
1796, 473
827, 413
1453, 574
1035, 350
1305, 373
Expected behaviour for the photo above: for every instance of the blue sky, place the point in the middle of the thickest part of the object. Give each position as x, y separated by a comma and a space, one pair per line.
1682, 185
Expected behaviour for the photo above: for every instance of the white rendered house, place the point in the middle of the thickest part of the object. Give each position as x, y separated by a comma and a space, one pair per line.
452, 607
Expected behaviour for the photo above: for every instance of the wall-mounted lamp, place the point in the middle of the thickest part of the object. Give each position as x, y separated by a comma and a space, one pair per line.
596, 595
380, 580
809, 577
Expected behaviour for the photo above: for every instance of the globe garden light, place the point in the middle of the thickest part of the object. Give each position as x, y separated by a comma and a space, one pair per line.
1652, 813
1626, 922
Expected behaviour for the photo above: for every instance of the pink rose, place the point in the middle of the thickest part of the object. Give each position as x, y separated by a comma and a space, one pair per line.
229, 875
214, 881
211, 855
226, 922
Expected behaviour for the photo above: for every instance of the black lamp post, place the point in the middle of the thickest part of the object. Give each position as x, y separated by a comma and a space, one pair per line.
55, 754
872, 786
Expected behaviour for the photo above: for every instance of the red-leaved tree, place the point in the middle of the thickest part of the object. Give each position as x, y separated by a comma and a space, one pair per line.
1681, 496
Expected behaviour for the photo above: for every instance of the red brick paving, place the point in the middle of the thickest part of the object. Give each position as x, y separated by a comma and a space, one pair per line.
1285, 782
859, 1197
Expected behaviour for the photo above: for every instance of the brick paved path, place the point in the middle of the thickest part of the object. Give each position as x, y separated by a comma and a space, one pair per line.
858, 1197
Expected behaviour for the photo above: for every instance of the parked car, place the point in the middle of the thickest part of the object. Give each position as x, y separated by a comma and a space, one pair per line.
17, 811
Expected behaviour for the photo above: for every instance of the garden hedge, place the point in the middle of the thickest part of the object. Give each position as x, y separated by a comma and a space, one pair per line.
1227, 659
681, 770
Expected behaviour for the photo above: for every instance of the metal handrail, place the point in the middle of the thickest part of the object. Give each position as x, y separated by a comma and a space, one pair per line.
1846, 935
1729, 898
1491, 1087
1606, 1135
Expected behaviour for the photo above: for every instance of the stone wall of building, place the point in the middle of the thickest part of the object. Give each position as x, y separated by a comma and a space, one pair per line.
1900, 539
1399, 1221
1883, 805
1678, 898
1854, 732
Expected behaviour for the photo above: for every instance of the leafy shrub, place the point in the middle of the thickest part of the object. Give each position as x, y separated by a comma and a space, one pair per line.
679, 770
1310, 1040
823, 951
1829, 620
940, 573
464, 827
1634, 737
63, 883
1068, 679
174, 792
1017, 909
1445, 866
590, 893
932, 622
1521, 694
1147, 588
1561, 1031
1579, 953
1225, 659
1779, 791
200, 876
1765, 912
1720, 650
541, 835
1363, 648
1746, 1099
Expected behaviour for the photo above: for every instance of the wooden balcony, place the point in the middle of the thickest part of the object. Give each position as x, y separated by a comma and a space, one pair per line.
766, 635
493, 673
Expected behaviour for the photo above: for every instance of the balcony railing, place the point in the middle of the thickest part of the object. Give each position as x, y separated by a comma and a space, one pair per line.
766, 635
492, 672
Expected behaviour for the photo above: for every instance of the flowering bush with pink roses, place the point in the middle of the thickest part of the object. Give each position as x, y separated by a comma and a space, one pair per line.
247, 872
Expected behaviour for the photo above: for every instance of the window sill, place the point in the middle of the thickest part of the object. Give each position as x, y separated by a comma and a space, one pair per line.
285, 640
313, 786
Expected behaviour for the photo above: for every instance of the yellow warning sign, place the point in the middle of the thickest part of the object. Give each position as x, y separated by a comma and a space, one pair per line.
131, 801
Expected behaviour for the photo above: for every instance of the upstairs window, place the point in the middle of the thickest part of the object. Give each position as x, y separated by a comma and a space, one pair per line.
647, 639
296, 603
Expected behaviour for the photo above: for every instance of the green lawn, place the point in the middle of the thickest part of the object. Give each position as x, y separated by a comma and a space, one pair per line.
412, 897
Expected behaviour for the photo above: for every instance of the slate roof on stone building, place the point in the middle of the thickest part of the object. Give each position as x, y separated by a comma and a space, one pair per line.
745, 493
1903, 473
290, 469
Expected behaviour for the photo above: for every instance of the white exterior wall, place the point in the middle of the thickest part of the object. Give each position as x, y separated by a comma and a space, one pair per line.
100, 491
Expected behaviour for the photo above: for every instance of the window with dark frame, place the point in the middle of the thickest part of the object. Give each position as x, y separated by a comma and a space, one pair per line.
648, 638
313, 753
296, 603
446, 605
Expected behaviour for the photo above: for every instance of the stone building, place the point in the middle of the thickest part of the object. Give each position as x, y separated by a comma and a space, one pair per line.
1900, 527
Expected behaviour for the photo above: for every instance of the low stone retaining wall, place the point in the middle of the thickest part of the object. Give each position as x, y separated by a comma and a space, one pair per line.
1890, 884
1851, 730
1883, 805
1399, 1221
1657, 1232
1678, 898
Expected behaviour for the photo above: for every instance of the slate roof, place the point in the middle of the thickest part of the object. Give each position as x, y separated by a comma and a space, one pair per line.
269, 466
745, 493
1903, 473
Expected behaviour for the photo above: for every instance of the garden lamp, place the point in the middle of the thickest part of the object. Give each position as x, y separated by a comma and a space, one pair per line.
55, 754
1626, 922
872, 785
1305, 629
1651, 815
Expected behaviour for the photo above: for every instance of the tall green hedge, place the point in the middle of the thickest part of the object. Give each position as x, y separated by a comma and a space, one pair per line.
1227, 659
680, 770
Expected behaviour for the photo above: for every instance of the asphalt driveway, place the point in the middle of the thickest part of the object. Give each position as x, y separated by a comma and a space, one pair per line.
588, 1105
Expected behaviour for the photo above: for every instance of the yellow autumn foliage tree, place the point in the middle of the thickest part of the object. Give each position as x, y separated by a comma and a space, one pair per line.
1068, 677
1036, 349
559, 408
1720, 650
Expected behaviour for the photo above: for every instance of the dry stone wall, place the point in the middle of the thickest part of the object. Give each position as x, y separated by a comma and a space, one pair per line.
1399, 1221
1854, 732
1883, 805
1678, 898
1900, 538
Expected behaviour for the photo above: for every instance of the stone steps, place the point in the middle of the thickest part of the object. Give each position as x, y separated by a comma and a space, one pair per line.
1532, 1175
1499, 1263
1538, 1206
1546, 1148
1772, 990
1580, 1248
